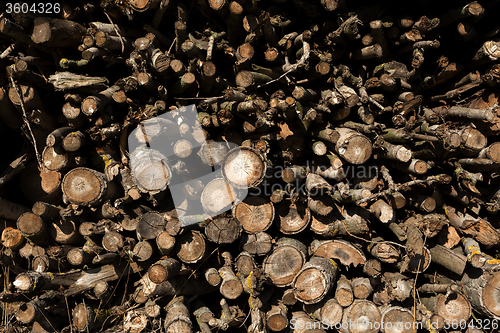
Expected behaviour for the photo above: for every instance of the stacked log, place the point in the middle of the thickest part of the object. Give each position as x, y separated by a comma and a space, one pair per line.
250, 166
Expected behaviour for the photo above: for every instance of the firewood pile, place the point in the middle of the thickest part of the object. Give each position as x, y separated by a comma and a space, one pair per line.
353, 149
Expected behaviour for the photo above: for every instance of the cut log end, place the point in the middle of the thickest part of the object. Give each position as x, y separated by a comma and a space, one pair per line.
243, 167
83, 186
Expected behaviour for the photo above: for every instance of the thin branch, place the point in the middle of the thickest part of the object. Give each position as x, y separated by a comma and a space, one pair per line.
25, 119
116, 29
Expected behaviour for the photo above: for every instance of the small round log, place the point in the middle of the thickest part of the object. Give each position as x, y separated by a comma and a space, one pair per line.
142, 251
28, 281
286, 260
258, 244
192, 247
12, 238
362, 287
44, 209
473, 141
255, 214
395, 318
315, 280
276, 317
73, 141
55, 158
230, 287
354, 147
328, 312
344, 293
84, 186
150, 225
245, 263
293, 217
112, 241
84, 317
223, 230
243, 167
165, 243
79, 257
32, 227
212, 276
163, 270
366, 316
102, 290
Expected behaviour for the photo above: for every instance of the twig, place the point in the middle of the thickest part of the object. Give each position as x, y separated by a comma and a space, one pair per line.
414, 287
431, 179
210, 48
25, 119
116, 29
370, 241
277, 79
171, 45
188, 98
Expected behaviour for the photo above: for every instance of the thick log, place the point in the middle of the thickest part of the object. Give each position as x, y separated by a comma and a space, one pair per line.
177, 318
192, 247
480, 288
57, 33
163, 270
255, 214
84, 186
252, 162
395, 318
286, 260
341, 250
315, 280
452, 306
293, 217
365, 314
258, 244
33, 227
344, 293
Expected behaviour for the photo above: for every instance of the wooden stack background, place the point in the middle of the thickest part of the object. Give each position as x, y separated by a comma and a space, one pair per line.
371, 155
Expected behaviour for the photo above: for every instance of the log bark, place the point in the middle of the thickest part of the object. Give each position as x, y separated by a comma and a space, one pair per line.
57, 33
318, 272
177, 318
163, 270
344, 293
